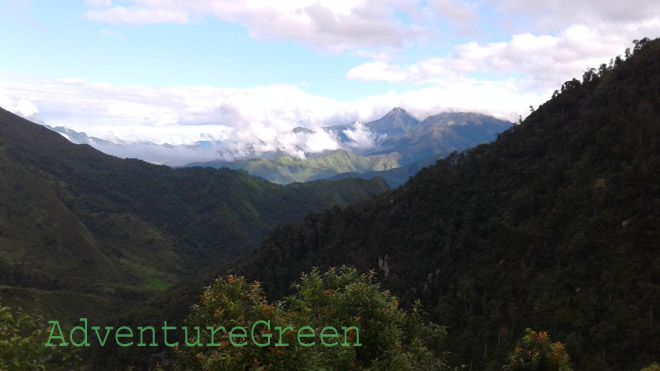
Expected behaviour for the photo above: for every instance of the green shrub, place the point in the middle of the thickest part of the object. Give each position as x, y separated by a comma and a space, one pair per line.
22, 339
387, 336
535, 352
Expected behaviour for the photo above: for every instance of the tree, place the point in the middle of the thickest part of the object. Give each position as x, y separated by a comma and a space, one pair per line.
22, 339
639, 44
589, 75
388, 337
535, 352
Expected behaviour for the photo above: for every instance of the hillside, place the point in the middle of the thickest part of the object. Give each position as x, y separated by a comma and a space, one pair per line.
287, 169
393, 177
554, 226
82, 232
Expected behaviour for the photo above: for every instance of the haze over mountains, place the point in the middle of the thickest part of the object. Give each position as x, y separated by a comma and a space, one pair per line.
394, 141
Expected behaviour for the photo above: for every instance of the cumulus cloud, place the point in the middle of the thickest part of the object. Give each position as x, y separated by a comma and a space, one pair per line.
555, 16
20, 106
330, 25
532, 62
431, 70
368, 24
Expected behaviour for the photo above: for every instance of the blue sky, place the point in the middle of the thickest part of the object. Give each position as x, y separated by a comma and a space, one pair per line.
244, 71
57, 39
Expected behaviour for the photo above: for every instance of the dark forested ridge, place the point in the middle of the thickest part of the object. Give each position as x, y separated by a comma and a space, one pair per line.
81, 231
554, 226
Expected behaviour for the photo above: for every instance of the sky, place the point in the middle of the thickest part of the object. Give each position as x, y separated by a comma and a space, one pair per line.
246, 72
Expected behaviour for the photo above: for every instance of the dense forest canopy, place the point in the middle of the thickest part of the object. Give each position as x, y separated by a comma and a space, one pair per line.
554, 227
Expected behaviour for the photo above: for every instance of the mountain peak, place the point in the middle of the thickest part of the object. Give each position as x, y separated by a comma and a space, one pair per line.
395, 122
397, 111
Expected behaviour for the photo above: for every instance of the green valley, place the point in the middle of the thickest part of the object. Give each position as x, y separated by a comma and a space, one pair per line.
75, 223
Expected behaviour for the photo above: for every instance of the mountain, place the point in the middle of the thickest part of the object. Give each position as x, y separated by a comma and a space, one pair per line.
439, 135
82, 138
553, 226
395, 123
287, 169
396, 140
161, 154
83, 233
393, 177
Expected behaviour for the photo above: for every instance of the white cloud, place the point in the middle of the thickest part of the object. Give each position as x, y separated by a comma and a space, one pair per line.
532, 62
20, 106
360, 137
366, 25
462, 16
555, 16
454, 9
379, 71
25, 108
329, 25
99, 3
243, 122
247, 122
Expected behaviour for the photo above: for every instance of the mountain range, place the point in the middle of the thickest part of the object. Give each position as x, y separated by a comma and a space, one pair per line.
394, 147
553, 226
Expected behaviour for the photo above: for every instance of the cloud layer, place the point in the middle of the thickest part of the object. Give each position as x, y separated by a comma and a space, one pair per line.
246, 122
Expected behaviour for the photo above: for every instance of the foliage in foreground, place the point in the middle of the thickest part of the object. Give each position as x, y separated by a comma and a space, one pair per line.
535, 352
22, 339
390, 337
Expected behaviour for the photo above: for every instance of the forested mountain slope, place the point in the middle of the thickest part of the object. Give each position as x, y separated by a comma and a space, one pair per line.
554, 226
81, 232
